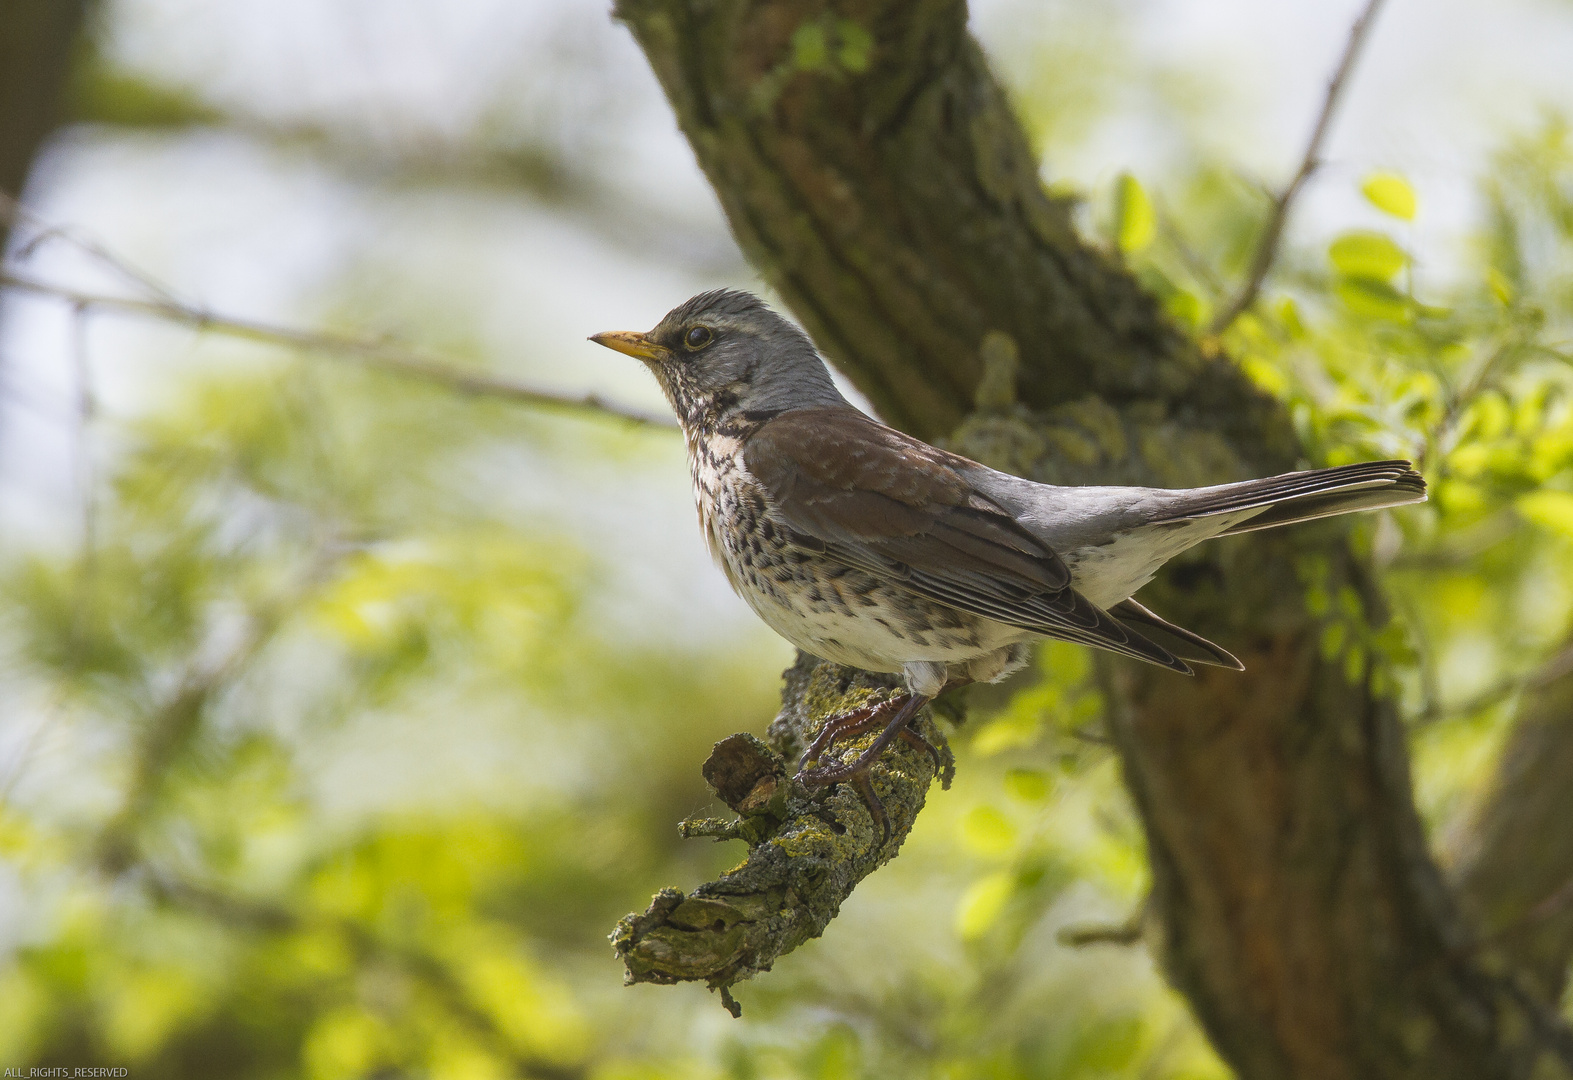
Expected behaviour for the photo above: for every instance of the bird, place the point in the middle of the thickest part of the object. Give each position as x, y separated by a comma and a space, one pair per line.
867, 547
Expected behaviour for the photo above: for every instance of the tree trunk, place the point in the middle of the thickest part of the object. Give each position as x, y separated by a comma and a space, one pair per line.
872, 170
36, 42
1516, 867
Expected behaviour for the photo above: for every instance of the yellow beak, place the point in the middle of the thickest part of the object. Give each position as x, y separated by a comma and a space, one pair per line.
632, 343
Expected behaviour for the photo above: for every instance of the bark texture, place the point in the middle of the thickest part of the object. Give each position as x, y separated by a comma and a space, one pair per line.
873, 171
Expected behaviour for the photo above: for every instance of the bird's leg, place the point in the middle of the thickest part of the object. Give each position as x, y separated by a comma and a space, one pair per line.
876, 809
918, 742
865, 786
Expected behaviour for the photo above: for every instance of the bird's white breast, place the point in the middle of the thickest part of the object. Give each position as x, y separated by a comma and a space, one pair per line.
713, 466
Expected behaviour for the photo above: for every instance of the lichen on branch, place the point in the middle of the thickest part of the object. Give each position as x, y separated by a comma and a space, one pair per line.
807, 848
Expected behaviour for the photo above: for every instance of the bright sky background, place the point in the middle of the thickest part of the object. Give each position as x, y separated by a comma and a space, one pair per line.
254, 228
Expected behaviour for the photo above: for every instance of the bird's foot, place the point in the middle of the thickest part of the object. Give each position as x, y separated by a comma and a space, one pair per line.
855, 772
847, 725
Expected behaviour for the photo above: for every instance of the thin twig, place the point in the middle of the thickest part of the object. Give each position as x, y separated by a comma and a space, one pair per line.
1552, 1029
1553, 904
1459, 399
1548, 671
369, 352
13, 213
1129, 932
1272, 231
161, 302
86, 474
1189, 256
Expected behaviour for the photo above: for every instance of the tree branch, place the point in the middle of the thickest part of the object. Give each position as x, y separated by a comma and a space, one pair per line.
1278, 216
368, 352
807, 849
1129, 932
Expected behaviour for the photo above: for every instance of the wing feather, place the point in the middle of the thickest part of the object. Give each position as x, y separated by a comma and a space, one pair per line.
882, 502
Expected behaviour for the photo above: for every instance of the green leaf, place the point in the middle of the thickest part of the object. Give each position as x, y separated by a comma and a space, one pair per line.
1334, 637
837, 1056
1367, 255
987, 831
1016, 727
1186, 307
982, 904
1391, 194
1028, 785
1551, 510
857, 46
810, 50
1135, 224
1501, 286
1289, 318
1354, 665
1374, 299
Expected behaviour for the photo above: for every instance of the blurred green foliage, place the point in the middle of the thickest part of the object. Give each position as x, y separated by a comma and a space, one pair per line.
1471, 375
289, 574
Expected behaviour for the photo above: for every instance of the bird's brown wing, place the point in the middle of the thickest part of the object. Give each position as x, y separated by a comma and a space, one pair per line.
872, 498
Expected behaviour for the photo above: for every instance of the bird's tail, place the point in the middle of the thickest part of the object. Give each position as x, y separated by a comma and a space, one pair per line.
1304, 496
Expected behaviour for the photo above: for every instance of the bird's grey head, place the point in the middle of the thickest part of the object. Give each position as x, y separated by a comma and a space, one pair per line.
725, 356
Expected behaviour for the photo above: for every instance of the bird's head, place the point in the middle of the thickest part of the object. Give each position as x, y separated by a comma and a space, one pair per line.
724, 356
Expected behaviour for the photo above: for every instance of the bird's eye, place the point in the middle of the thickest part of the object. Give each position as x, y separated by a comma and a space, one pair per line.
698, 337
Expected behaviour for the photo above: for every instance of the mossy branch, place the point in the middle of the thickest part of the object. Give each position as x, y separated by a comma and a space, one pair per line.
807, 849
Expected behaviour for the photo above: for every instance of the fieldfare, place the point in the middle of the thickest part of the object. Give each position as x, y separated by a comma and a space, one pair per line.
870, 548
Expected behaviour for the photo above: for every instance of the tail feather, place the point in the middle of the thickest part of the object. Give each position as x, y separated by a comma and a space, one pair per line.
1305, 496
1176, 639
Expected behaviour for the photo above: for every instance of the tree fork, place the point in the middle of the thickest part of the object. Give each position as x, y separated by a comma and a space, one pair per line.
872, 170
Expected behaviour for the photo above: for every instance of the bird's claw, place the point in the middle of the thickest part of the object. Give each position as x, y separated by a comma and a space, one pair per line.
847, 725
851, 724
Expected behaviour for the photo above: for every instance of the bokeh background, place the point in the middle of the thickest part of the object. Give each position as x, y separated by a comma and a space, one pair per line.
341, 715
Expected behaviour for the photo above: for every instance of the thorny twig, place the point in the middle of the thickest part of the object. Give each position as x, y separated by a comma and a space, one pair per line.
1272, 231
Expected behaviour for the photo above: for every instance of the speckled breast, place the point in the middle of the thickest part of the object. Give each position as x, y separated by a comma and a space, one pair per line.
833, 611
